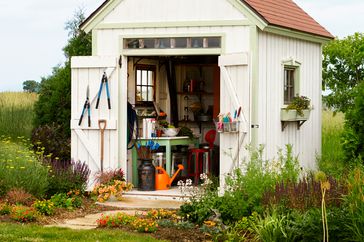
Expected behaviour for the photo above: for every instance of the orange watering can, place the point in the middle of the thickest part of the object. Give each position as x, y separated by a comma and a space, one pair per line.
162, 180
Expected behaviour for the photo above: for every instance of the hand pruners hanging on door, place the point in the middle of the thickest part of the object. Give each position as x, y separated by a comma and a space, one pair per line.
103, 80
86, 106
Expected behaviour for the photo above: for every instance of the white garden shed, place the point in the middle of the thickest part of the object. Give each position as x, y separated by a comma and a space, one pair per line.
253, 54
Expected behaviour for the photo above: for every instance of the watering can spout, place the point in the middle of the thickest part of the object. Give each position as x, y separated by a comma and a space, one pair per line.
180, 167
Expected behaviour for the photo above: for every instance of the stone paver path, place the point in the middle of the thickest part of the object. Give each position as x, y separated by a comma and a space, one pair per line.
129, 205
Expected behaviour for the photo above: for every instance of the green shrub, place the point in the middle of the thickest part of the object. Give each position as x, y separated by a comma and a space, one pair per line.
23, 214
50, 139
353, 137
45, 207
308, 225
354, 201
65, 176
19, 168
244, 189
62, 200
273, 227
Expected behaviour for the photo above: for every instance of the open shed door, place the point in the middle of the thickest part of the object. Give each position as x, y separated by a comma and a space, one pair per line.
86, 141
234, 93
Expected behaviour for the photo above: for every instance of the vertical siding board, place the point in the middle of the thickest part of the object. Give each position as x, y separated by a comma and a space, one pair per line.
306, 141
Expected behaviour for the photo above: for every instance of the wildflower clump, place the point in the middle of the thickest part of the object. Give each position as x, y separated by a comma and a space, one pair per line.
45, 207
23, 214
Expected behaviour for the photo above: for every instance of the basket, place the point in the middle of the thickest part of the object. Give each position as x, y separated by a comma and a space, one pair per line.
227, 127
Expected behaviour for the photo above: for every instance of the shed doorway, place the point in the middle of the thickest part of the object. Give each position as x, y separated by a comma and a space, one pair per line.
180, 91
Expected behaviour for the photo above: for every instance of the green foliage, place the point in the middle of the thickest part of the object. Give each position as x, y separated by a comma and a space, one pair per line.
353, 137
31, 86
299, 103
54, 104
273, 227
62, 200
343, 70
65, 176
50, 139
19, 168
16, 113
45, 207
244, 188
354, 201
23, 214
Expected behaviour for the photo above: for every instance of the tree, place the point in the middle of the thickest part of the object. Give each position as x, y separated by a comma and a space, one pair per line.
31, 86
343, 70
353, 136
54, 103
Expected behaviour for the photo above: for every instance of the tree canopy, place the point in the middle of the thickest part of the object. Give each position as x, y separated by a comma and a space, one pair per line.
343, 70
54, 103
31, 86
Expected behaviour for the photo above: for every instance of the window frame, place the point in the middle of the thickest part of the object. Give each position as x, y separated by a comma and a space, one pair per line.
294, 65
145, 67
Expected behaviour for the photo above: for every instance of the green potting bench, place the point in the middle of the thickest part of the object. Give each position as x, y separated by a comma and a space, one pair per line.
168, 142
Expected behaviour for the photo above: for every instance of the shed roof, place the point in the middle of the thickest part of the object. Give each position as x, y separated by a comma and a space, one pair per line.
281, 13
287, 14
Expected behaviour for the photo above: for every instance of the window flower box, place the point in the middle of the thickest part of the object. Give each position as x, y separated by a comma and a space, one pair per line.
297, 111
293, 115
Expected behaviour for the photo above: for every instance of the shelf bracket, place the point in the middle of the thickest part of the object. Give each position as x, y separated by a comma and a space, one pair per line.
299, 123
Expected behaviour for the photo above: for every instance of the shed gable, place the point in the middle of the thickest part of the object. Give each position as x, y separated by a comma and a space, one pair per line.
131, 11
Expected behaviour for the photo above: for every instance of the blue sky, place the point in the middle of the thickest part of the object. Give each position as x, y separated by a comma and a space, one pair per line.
33, 35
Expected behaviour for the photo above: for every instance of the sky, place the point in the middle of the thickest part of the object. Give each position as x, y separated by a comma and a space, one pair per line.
32, 32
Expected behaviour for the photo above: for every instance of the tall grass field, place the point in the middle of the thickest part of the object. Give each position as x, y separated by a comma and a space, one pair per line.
16, 113
332, 156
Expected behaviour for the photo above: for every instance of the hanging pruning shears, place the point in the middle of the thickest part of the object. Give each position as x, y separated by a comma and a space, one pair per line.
103, 80
86, 106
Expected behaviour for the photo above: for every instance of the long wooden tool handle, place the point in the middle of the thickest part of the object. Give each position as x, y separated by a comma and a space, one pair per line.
102, 126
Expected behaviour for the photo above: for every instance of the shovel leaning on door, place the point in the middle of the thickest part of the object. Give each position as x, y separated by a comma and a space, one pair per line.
102, 127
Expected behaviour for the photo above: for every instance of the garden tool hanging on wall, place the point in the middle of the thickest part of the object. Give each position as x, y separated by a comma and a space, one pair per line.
102, 127
103, 80
87, 107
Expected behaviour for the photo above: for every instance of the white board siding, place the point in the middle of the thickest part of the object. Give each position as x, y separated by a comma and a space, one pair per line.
274, 49
232, 152
236, 38
130, 11
85, 141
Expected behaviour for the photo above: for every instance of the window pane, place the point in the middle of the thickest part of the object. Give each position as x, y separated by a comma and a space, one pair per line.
138, 94
197, 42
181, 42
139, 75
150, 94
144, 94
150, 78
288, 85
214, 42
144, 77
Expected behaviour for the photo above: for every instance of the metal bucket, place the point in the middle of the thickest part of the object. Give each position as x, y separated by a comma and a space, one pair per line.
146, 175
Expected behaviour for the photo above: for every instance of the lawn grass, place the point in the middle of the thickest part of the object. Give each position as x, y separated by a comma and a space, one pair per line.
18, 232
332, 158
16, 113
